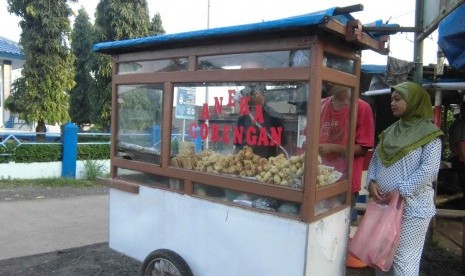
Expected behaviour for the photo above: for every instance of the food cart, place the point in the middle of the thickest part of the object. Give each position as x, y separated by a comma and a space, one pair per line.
202, 181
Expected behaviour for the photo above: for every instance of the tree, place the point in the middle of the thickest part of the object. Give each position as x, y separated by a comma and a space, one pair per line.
115, 20
15, 102
82, 40
156, 25
48, 68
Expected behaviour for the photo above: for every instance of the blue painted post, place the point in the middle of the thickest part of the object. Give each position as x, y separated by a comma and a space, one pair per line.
198, 140
68, 163
156, 136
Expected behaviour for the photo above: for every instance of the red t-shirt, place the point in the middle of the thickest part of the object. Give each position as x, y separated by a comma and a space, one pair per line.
334, 126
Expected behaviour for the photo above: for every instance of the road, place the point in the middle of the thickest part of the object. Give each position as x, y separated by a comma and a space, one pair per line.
45, 225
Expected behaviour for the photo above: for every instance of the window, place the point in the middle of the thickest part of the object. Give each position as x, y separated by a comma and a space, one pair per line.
339, 63
139, 122
149, 179
250, 130
278, 59
166, 65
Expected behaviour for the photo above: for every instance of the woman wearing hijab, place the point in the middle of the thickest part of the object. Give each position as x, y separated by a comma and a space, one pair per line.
407, 158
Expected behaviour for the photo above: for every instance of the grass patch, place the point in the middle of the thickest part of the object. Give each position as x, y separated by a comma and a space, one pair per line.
48, 182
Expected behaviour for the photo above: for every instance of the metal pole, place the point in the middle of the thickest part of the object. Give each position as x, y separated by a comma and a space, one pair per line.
418, 44
206, 88
208, 14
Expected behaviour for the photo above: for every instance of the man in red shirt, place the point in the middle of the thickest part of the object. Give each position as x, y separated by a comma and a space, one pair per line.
334, 127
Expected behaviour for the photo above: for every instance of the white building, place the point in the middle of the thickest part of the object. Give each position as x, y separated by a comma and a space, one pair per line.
11, 59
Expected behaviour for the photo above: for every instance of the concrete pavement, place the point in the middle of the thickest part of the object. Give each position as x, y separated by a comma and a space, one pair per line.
45, 225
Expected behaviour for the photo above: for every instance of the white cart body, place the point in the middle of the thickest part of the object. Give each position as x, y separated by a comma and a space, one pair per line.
216, 239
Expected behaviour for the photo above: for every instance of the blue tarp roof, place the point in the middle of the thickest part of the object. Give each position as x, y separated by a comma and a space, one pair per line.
451, 37
10, 50
300, 22
374, 69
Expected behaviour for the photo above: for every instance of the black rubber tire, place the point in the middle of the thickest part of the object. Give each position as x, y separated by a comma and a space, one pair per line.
167, 259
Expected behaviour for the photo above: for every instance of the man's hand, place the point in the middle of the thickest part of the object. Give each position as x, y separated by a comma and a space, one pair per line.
331, 149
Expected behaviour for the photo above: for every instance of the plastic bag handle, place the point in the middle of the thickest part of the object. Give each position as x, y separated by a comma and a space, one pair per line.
397, 200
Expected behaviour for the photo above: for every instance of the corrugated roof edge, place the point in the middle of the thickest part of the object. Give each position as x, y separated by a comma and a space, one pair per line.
10, 49
300, 21
6, 55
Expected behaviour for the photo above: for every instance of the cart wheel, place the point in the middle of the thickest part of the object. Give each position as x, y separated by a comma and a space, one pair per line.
164, 262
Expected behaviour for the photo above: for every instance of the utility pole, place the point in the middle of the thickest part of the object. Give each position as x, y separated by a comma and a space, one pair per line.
418, 43
206, 87
208, 14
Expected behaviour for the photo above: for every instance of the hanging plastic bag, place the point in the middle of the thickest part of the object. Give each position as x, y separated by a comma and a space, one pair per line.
377, 237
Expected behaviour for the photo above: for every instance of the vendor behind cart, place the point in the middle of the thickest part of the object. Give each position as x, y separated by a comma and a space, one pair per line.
334, 136
268, 123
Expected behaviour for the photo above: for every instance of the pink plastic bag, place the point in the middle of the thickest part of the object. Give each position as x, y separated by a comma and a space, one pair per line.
377, 237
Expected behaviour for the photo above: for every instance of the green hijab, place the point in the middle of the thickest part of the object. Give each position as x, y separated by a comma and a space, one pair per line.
413, 130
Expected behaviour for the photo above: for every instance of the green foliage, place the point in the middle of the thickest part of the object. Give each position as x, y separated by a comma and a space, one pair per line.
82, 40
94, 169
175, 147
449, 120
29, 153
47, 182
6, 151
48, 69
121, 19
16, 101
101, 98
115, 20
93, 152
140, 107
94, 138
156, 25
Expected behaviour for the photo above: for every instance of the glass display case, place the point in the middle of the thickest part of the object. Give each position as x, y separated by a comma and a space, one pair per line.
239, 122
220, 140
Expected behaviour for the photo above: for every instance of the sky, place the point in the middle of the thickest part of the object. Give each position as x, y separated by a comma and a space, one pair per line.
189, 15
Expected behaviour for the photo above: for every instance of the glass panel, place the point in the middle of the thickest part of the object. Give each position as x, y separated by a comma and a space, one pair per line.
339, 63
2, 85
329, 203
248, 200
139, 122
251, 130
166, 65
334, 132
278, 59
149, 179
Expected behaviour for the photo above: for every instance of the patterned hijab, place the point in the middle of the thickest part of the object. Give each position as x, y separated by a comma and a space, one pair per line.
413, 130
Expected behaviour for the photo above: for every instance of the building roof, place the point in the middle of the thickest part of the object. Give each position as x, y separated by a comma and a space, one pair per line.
11, 51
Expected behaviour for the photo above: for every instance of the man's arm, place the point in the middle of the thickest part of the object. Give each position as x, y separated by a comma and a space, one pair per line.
326, 149
360, 151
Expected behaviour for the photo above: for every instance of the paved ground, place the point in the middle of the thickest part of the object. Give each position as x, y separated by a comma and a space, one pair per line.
64, 232
58, 231
44, 225
90, 260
